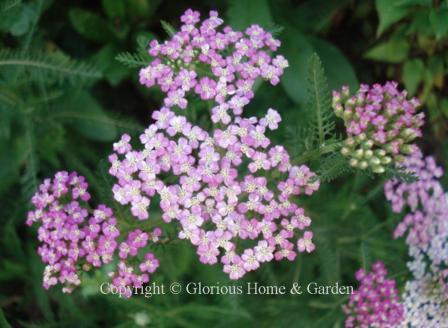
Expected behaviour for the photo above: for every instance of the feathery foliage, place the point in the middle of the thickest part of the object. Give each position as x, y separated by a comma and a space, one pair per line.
131, 60
168, 28
332, 167
319, 101
54, 66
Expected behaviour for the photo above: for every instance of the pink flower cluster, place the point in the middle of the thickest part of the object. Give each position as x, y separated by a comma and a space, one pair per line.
212, 63
71, 236
216, 183
426, 221
424, 198
376, 302
380, 122
127, 275
220, 187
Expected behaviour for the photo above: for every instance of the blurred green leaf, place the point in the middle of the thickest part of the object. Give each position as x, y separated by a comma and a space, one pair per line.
439, 22
17, 18
55, 65
243, 13
9, 165
28, 180
420, 24
105, 60
392, 51
3, 322
315, 15
114, 8
297, 49
389, 12
41, 297
414, 2
86, 115
444, 107
413, 74
436, 70
23, 23
142, 8
177, 259
91, 26
338, 69
169, 29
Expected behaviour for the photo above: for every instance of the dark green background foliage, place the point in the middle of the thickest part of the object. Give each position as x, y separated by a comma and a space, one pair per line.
64, 98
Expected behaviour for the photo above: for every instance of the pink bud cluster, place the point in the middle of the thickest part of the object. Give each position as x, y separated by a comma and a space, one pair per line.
212, 63
128, 276
380, 122
376, 302
232, 192
72, 237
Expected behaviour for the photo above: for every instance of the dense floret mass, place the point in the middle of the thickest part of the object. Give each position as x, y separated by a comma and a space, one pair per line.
381, 122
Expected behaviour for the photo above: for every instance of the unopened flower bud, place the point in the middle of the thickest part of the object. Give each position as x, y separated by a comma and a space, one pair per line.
375, 161
345, 151
363, 165
353, 162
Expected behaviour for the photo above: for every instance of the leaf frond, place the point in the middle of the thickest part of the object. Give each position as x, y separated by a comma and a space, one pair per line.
400, 174
333, 167
319, 101
169, 29
53, 65
132, 60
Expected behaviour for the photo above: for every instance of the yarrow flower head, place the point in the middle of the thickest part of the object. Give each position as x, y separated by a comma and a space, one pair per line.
381, 123
376, 302
424, 200
219, 188
424, 305
213, 63
76, 239
72, 237
218, 184
426, 221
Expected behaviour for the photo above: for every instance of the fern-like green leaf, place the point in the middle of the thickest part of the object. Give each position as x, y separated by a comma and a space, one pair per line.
29, 178
319, 101
333, 167
55, 66
132, 60
400, 174
8, 4
169, 29
8, 98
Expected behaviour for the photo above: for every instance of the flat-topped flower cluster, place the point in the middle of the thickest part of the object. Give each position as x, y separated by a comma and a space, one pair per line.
71, 235
424, 200
425, 305
213, 63
220, 188
75, 238
376, 303
426, 224
217, 184
380, 122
